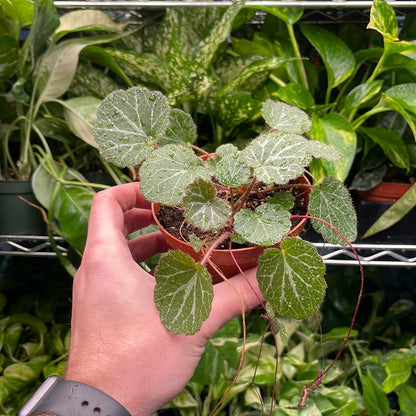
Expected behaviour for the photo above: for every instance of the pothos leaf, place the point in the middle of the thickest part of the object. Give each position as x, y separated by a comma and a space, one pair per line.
277, 157
285, 118
291, 278
331, 202
129, 123
202, 208
168, 171
183, 293
265, 226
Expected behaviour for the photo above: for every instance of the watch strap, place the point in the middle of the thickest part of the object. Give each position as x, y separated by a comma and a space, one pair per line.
71, 398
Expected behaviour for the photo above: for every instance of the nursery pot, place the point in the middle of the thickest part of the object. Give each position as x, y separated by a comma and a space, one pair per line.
246, 257
385, 192
17, 217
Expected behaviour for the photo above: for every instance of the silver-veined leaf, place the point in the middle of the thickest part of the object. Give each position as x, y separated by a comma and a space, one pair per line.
168, 171
265, 226
183, 293
331, 202
285, 118
182, 129
232, 170
278, 157
129, 123
202, 208
292, 278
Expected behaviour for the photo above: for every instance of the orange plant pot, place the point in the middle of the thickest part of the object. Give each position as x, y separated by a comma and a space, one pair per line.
245, 257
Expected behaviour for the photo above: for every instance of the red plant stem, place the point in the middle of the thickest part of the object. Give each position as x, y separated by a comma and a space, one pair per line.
315, 383
243, 197
214, 245
243, 317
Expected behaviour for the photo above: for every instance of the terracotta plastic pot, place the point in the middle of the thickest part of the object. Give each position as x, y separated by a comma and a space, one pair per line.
246, 257
385, 192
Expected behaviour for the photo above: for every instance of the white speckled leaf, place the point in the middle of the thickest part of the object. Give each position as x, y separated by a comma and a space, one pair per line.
285, 118
266, 226
278, 157
168, 171
324, 151
292, 278
202, 208
233, 171
129, 123
183, 293
182, 129
331, 202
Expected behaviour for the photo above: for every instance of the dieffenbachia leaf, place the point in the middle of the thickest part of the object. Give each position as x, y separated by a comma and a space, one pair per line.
331, 202
265, 226
129, 123
277, 157
168, 171
202, 208
292, 278
182, 129
183, 293
232, 170
285, 118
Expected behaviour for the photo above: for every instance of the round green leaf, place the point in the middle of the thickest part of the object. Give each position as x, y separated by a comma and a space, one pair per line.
202, 208
331, 202
266, 226
285, 118
182, 129
292, 278
277, 157
129, 123
183, 293
232, 170
168, 171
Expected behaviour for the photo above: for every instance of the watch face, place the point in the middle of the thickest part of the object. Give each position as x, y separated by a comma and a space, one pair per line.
40, 393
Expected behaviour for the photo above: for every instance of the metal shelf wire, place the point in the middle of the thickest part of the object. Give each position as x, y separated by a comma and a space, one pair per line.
71, 4
30, 246
385, 255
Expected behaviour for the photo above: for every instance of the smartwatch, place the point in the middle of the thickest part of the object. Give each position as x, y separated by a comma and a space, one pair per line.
70, 398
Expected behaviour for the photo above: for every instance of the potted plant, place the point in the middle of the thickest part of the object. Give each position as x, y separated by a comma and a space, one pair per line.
137, 127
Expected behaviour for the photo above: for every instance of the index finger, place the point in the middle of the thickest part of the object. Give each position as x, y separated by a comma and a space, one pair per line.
106, 222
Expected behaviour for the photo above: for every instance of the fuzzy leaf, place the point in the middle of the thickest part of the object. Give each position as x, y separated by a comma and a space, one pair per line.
226, 149
277, 157
285, 118
324, 151
331, 202
168, 171
183, 293
129, 123
291, 278
266, 226
233, 171
283, 198
182, 128
202, 208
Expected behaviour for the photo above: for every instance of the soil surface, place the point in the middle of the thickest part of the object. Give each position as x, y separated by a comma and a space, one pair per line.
173, 219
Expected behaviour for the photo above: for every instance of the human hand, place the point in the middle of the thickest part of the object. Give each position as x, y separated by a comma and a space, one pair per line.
118, 343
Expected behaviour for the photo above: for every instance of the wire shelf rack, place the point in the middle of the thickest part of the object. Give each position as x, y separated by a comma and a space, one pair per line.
30, 246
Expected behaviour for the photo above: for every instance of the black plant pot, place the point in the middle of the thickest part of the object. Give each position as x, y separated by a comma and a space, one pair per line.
17, 217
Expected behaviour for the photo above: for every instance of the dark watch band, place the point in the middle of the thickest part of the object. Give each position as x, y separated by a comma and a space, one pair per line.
70, 398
